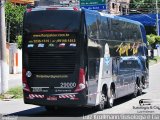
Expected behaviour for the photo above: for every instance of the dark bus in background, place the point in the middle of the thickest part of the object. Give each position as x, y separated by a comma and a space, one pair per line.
78, 58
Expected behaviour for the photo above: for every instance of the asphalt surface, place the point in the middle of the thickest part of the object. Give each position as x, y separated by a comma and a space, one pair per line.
125, 105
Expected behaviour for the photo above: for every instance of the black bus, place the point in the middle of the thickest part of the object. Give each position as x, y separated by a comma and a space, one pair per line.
75, 57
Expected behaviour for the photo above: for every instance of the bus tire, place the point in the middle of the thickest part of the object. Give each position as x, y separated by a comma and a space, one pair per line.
102, 103
140, 88
134, 95
143, 83
110, 100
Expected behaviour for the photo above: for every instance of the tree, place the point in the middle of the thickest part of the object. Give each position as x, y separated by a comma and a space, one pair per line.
14, 19
151, 39
144, 6
157, 39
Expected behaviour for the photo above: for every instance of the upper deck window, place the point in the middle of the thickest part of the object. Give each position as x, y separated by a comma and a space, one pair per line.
66, 20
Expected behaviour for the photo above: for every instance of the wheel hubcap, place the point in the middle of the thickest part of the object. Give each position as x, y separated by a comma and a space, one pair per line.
103, 99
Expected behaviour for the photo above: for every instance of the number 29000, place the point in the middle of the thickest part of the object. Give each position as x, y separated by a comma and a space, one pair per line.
68, 84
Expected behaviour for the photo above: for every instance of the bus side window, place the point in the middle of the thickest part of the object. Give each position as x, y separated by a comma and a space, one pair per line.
114, 67
92, 26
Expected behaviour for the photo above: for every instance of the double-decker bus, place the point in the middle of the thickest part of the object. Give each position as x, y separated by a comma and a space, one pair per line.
75, 57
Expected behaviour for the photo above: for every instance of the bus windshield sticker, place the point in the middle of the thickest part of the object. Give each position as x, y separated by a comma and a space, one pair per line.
52, 98
72, 45
52, 76
62, 45
30, 45
62, 90
51, 45
107, 60
40, 89
51, 35
41, 45
53, 40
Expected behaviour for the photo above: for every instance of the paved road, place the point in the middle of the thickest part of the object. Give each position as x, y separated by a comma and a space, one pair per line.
125, 105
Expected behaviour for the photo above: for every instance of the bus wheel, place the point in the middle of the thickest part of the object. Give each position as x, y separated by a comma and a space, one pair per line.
110, 100
102, 103
135, 90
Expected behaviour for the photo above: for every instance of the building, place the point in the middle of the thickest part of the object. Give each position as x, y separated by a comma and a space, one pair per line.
58, 2
48, 2
23, 2
118, 7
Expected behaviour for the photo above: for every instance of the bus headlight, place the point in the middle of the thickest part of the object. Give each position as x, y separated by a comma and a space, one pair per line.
82, 86
28, 74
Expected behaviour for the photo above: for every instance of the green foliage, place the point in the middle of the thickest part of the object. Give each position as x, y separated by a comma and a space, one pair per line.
14, 20
151, 39
16, 91
157, 38
136, 3
144, 6
19, 41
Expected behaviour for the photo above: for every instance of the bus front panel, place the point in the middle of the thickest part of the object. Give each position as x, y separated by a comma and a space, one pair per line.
52, 69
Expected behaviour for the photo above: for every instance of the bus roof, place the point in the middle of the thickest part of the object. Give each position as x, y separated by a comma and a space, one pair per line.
113, 16
59, 7
55, 7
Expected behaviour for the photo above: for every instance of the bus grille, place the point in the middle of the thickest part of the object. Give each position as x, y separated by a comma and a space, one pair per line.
59, 62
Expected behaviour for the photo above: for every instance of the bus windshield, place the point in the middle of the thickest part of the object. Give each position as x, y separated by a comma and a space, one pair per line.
65, 20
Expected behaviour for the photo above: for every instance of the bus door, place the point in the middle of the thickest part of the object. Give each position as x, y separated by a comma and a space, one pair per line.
93, 56
123, 76
115, 75
93, 74
129, 76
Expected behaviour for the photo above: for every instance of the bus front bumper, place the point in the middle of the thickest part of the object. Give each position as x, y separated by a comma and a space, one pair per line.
56, 100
